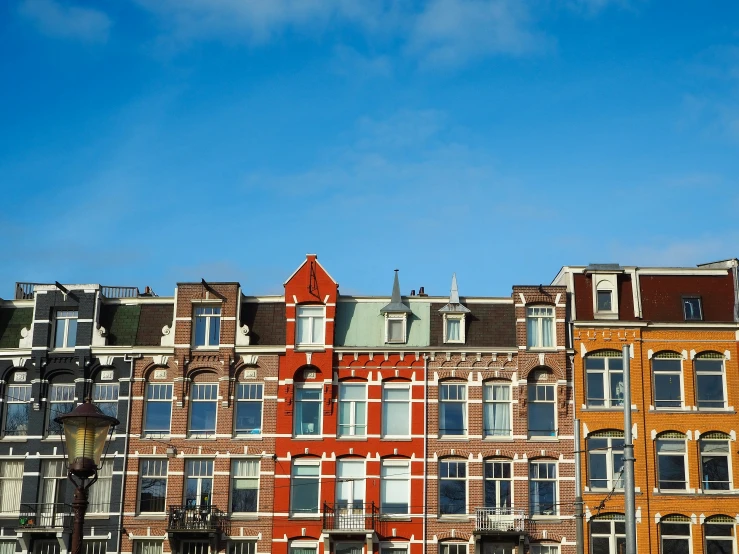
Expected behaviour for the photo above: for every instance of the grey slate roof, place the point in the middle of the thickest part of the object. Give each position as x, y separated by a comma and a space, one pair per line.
396, 305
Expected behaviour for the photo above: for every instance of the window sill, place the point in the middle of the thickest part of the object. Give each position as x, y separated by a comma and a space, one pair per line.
15, 438
352, 438
396, 439
729, 410
541, 349
153, 436
453, 517
495, 438
399, 517
244, 517
554, 518
249, 437
305, 516
207, 348
152, 515
543, 439
310, 348
453, 438
307, 437
202, 437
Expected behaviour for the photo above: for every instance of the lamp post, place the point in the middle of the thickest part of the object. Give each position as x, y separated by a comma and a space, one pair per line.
86, 429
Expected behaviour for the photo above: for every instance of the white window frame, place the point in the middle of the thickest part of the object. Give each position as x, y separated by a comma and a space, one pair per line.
168, 389
391, 318
352, 428
715, 438
672, 372
242, 546
208, 313
315, 315
298, 432
64, 317
537, 315
386, 401
95, 546
17, 395
357, 484
606, 375
460, 318
662, 536
145, 545
155, 463
393, 548
11, 485
303, 545
453, 466
718, 360
203, 393
613, 535
453, 547
235, 466
611, 471
685, 302
720, 520
452, 398
503, 463
673, 438
59, 393
537, 386
198, 469
395, 481
489, 400
248, 393
100, 494
106, 394
547, 479
544, 549
295, 482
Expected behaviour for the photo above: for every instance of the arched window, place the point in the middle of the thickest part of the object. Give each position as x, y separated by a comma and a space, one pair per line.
672, 466
667, 380
720, 534
203, 405
715, 462
605, 460
604, 372
710, 383
608, 533
674, 532
61, 401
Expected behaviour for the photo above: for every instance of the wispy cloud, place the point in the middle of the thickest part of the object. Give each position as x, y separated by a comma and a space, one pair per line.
66, 21
672, 252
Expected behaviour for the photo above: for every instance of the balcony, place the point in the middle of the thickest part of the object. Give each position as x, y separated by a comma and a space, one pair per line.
25, 291
500, 521
45, 517
197, 519
359, 518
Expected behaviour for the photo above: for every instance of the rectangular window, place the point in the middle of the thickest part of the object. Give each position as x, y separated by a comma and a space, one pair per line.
544, 549
543, 488
307, 416
715, 474
394, 550
348, 548
61, 401
452, 488
249, 398
203, 407
395, 328
498, 484
105, 397
91, 546
147, 547
350, 491
671, 466
207, 326
496, 409
304, 487
245, 486
395, 487
152, 485
17, 406
65, 328
99, 494
352, 409
453, 409
709, 381
158, 408
303, 549
11, 484
454, 328
542, 410
668, 385
608, 535
719, 532
396, 410
675, 537
692, 308
7, 547
540, 327
198, 483
310, 325
605, 303
605, 462
52, 493
605, 380
453, 548
242, 547
194, 547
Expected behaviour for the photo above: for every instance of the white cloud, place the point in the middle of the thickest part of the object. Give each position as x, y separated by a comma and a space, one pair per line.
451, 31
57, 20
663, 251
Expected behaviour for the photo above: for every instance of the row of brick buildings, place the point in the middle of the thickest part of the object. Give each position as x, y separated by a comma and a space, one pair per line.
314, 422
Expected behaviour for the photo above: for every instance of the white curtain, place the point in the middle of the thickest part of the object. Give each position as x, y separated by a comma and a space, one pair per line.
148, 547
452, 329
497, 413
10, 486
532, 330
547, 328
7, 547
100, 491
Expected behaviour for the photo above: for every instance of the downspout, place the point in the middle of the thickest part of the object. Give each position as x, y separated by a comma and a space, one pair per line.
132, 359
425, 445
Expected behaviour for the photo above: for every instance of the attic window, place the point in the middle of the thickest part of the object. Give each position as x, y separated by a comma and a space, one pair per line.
395, 328
692, 308
454, 328
605, 301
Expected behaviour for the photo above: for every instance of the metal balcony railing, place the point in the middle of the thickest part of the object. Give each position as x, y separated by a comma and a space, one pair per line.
354, 517
24, 291
197, 519
500, 520
45, 516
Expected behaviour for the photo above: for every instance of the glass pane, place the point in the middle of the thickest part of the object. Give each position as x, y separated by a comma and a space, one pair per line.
596, 393
249, 417
200, 331
715, 472
452, 418
452, 329
671, 472
604, 300
158, 416
667, 393
353, 392
71, 333
396, 421
710, 391
541, 419
617, 388
214, 335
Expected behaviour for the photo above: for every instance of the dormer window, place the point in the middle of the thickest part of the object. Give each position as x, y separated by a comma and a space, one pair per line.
396, 316
692, 308
395, 325
454, 316
605, 290
207, 328
65, 329
311, 325
605, 300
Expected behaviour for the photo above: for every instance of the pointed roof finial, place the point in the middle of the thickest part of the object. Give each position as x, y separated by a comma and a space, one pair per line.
454, 305
396, 303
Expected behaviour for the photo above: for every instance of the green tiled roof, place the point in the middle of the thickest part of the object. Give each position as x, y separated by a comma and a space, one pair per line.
121, 323
12, 320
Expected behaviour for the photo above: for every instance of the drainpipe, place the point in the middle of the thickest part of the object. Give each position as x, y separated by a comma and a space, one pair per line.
579, 524
629, 492
131, 362
425, 445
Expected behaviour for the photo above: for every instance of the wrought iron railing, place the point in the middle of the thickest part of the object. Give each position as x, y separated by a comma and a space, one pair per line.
501, 520
197, 519
353, 517
45, 516
24, 291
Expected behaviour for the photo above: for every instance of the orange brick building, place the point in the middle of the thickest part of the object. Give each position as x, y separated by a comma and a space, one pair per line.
680, 325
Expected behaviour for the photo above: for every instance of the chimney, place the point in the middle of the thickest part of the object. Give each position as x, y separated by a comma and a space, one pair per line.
421, 292
413, 292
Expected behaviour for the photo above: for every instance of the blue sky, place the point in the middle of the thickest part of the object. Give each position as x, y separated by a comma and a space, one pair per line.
148, 142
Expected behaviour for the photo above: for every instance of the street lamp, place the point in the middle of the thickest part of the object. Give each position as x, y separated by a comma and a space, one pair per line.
86, 429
